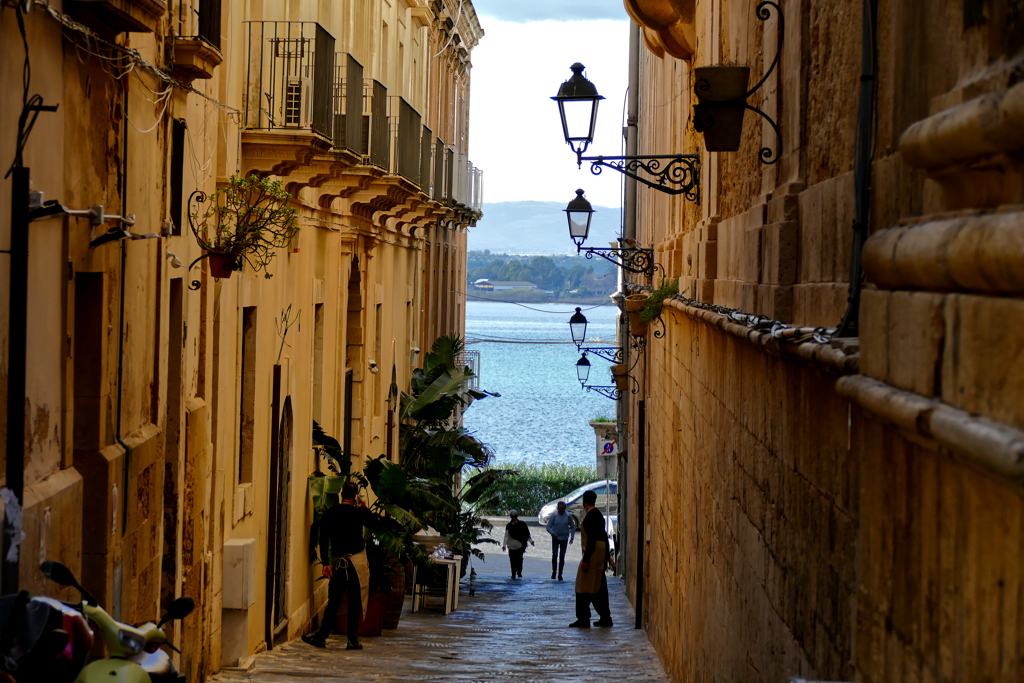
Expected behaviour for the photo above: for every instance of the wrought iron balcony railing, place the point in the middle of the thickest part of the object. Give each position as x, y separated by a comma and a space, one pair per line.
405, 131
199, 19
290, 77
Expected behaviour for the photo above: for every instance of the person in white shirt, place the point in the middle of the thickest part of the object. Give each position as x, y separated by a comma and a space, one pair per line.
563, 532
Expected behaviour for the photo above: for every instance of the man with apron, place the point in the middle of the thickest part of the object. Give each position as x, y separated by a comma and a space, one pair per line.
341, 539
591, 584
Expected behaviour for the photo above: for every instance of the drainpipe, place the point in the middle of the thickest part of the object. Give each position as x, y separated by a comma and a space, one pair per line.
120, 324
632, 118
629, 230
864, 153
17, 346
641, 493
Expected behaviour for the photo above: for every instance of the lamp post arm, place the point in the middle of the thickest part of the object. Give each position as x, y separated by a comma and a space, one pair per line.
669, 173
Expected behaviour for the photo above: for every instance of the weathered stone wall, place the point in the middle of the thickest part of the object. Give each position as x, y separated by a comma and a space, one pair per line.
789, 532
752, 511
941, 546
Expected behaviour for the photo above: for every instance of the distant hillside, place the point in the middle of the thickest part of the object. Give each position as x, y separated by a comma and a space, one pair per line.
537, 228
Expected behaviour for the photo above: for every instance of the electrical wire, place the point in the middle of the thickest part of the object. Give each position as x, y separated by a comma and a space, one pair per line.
131, 54
455, 26
516, 303
30, 106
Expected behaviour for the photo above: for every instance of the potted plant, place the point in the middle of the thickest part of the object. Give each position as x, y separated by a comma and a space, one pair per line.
634, 304
656, 300
719, 112
242, 222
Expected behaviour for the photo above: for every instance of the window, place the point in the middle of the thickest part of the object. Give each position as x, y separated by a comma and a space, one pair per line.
318, 362
247, 402
177, 173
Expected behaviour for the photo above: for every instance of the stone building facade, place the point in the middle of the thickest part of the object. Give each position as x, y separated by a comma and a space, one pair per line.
846, 510
162, 402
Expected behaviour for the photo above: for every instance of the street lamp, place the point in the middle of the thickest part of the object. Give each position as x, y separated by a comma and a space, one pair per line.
577, 100
578, 328
579, 212
630, 258
583, 369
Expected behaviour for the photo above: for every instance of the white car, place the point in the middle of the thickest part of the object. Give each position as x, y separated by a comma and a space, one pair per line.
607, 502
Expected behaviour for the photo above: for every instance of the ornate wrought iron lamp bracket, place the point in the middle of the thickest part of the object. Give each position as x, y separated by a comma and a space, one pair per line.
612, 354
611, 391
639, 261
672, 173
702, 112
199, 197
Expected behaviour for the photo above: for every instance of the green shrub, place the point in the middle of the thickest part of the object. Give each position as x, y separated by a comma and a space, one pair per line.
527, 486
656, 299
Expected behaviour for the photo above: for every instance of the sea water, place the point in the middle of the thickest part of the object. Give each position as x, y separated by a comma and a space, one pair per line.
527, 355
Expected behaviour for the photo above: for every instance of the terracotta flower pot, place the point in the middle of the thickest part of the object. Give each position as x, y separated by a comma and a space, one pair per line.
637, 327
635, 303
720, 120
396, 598
222, 265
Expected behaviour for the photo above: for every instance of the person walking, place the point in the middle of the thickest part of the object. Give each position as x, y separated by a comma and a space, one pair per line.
341, 540
562, 528
591, 584
517, 535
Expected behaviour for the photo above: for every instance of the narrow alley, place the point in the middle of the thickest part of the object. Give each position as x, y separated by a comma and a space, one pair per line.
508, 631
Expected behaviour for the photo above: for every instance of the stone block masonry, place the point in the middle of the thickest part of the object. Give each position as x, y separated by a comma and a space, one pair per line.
751, 566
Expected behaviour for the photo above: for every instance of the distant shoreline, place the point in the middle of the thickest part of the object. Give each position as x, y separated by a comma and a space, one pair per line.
532, 296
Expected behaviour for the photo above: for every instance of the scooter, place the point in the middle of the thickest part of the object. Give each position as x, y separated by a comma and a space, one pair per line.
41, 639
134, 654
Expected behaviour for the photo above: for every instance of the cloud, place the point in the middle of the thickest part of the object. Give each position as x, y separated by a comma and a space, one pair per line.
522, 11
515, 133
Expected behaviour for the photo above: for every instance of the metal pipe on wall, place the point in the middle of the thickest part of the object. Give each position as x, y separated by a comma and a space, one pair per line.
17, 345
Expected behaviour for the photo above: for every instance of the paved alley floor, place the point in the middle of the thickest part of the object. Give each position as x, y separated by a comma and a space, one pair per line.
509, 631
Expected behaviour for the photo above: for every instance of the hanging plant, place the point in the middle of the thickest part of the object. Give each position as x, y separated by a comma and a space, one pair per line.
244, 222
656, 300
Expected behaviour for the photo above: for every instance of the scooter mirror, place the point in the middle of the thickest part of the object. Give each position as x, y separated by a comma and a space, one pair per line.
179, 609
57, 572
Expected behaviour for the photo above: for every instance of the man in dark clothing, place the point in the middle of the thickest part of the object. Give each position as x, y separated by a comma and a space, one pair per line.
517, 535
591, 584
343, 553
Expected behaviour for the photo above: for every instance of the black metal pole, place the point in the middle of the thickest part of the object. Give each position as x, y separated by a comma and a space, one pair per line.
16, 345
641, 492
863, 155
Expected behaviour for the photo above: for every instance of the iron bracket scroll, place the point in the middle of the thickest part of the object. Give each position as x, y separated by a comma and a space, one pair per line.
703, 118
610, 391
672, 173
612, 354
199, 196
639, 261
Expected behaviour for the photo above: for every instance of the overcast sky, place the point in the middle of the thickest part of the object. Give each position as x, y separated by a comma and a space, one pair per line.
515, 133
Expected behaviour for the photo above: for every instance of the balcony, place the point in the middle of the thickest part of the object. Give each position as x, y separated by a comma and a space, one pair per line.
405, 141
290, 79
196, 40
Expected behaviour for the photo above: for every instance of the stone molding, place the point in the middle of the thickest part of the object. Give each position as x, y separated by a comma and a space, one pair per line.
828, 357
669, 26
994, 445
966, 149
974, 253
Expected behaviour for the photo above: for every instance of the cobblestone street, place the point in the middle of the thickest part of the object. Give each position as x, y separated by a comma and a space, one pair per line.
509, 631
